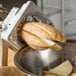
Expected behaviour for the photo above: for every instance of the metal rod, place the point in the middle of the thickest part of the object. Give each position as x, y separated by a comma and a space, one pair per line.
62, 17
4, 53
0, 52
42, 5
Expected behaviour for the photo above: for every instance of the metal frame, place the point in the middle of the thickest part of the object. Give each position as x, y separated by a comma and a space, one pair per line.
11, 23
4, 53
62, 17
15, 17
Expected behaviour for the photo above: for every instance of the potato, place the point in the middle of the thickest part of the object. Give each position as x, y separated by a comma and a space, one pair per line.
41, 36
47, 73
64, 69
73, 74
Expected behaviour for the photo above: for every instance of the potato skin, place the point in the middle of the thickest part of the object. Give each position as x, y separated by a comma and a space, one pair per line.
33, 32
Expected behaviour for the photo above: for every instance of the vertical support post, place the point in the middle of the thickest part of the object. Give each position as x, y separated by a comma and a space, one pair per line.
0, 52
62, 17
42, 5
4, 53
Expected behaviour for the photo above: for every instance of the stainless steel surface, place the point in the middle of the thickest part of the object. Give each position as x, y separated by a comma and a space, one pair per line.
69, 52
32, 61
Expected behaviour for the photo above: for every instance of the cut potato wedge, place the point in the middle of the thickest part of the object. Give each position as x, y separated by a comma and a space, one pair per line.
44, 30
63, 69
39, 43
73, 74
50, 74
52, 45
41, 36
46, 73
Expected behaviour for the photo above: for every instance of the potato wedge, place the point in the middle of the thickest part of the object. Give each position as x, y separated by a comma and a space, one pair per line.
64, 69
73, 74
36, 42
41, 36
44, 30
47, 73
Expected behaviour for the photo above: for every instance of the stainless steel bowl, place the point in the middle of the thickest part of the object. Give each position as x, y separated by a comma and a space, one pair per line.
69, 52
32, 62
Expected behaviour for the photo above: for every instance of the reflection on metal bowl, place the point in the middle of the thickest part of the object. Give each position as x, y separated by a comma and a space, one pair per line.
69, 51
32, 61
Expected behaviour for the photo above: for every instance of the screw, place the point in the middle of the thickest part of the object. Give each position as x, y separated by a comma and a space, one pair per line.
12, 38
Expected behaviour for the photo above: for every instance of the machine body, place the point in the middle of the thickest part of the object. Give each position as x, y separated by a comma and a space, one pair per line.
10, 32
12, 23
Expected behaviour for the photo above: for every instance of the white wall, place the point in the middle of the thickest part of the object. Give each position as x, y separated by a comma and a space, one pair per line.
52, 11
51, 8
70, 17
56, 18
